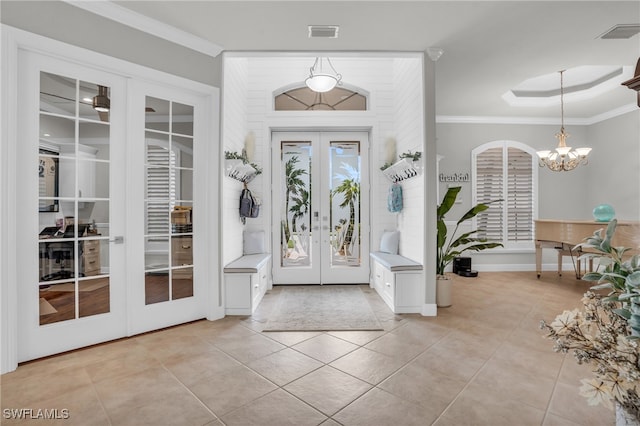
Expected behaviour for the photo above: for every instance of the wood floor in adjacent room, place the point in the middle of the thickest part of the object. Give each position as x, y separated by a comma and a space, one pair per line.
482, 361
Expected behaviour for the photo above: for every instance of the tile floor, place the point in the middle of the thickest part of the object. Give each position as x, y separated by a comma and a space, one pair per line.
482, 361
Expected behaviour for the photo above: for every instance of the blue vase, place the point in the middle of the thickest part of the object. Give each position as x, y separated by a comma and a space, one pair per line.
603, 213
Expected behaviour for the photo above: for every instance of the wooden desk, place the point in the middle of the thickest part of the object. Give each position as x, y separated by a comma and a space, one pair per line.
566, 234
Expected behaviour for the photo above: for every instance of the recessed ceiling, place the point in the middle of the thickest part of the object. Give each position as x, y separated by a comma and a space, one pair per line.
579, 83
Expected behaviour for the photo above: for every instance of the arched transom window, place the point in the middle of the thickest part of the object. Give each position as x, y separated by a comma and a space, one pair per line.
301, 98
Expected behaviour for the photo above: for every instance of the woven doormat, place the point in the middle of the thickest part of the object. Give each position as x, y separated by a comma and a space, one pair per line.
322, 308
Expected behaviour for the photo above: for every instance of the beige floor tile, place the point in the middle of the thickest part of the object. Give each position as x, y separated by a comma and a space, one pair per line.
451, 362
231, 389
327, 389
284, 366
546, 364
567, 403
151, 397
79, 407
368, 365
380, 408
553, 420
396, 346
250, 348
290, 338
325, 348
482, 406
20, 391
277, 408
423, 386
192, 368
359, 338
136, 359
175, 346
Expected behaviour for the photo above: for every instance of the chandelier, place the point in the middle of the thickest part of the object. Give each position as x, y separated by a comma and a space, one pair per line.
321, 79
563, 158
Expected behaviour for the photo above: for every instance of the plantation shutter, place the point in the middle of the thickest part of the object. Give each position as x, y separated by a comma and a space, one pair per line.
490, 186
519, 195
160, 190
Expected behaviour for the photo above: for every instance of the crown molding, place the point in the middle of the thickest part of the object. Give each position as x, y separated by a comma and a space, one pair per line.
135, 20
470, 119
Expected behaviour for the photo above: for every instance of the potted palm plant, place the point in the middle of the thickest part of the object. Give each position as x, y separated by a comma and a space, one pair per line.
448, 248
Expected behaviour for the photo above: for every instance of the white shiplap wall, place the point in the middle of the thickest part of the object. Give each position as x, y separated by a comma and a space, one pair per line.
408, 120
394, 86
234, 131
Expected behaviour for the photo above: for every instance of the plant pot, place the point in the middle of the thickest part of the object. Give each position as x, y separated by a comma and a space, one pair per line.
443, 291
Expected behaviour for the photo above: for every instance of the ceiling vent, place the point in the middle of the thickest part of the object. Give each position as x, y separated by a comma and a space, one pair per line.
323, 31
621, 31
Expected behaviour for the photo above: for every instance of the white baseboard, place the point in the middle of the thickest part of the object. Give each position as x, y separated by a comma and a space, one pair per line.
429, 310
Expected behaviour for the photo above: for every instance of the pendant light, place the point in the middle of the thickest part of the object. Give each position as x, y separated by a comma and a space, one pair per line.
322, 79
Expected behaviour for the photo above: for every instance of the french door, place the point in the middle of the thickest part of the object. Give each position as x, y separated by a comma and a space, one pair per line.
320, 207
72, 281
112, 218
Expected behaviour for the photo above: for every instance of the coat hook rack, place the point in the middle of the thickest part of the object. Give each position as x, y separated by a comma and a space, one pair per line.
402, 170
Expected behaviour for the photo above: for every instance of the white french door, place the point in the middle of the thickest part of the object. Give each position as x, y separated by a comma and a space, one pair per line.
112, 212
71, 212
320, 207
167, 157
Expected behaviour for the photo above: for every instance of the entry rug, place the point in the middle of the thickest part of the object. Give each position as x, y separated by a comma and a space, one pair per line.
322, 308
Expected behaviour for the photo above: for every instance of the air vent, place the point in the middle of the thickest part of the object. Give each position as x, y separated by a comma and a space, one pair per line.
323, 31
621, 31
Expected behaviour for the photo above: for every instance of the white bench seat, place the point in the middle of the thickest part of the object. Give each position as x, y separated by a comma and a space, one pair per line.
399, 282
395, 262
246, 280
247, 264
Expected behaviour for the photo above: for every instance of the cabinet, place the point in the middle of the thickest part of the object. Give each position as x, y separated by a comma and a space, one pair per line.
246, 281
182, 255
86, 172
90, 260
401, 290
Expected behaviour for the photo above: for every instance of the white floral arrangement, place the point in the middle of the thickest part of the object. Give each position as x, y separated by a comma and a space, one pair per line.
606, 331
597, 335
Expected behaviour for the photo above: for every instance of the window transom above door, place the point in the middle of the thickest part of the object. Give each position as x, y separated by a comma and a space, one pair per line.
301, 98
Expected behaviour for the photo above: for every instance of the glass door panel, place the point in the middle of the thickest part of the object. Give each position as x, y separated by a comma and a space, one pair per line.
73, 201
295, 218
344, 181
168, 201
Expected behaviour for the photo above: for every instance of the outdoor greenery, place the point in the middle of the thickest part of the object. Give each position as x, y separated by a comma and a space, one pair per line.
606, 330
448, 249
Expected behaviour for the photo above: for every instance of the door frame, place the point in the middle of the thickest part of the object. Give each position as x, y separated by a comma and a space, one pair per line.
320, 136
13, 40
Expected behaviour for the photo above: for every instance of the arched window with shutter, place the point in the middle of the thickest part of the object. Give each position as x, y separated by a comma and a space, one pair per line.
506, 170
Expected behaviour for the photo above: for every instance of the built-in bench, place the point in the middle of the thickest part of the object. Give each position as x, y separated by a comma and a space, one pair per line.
398, 280
246, 280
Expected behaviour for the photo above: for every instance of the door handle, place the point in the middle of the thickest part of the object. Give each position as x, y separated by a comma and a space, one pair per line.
117, 240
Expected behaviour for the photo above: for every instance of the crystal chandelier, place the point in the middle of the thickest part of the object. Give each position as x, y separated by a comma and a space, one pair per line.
320, 79
563, 158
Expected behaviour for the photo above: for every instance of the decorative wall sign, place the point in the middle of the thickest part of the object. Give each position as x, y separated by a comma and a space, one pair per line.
454, 177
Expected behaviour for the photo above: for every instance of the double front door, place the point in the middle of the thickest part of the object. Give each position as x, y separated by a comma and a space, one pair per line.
320, 207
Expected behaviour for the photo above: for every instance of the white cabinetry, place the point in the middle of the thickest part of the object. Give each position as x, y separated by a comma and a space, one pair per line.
86, 172
246, 281
401, 290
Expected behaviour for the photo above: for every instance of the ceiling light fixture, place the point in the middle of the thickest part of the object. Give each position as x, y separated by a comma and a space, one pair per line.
101, 102
563, 159
321, 80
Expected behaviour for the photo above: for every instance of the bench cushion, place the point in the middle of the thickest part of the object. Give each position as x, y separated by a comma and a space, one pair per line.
395, 262
247, 264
